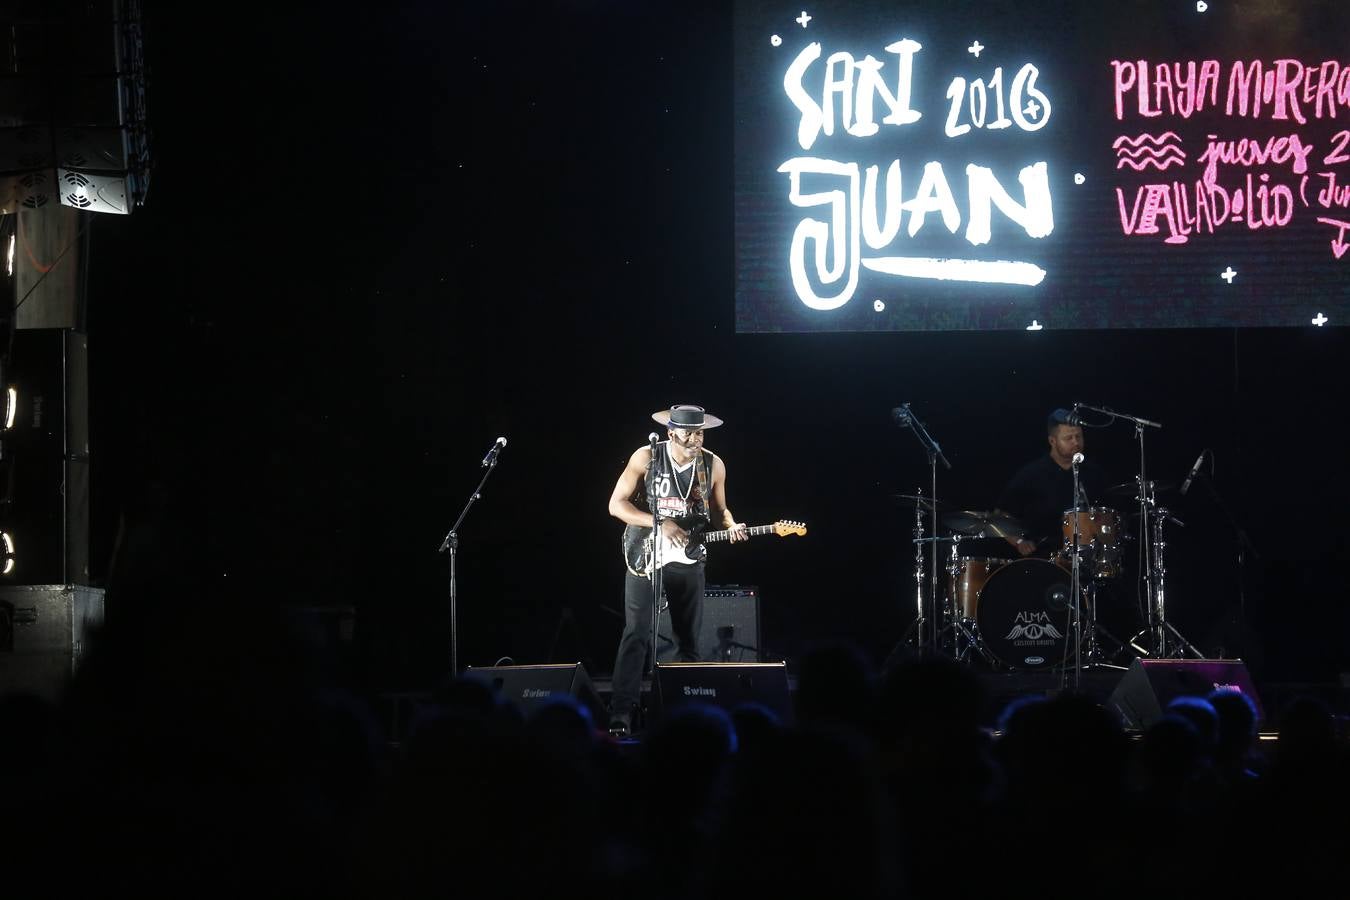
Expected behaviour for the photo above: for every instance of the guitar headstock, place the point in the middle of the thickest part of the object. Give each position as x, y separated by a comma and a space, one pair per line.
784, 527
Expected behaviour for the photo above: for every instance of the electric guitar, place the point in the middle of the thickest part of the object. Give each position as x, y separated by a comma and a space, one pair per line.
637, 542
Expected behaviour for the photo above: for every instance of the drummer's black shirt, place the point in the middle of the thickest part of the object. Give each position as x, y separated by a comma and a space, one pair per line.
1041, 491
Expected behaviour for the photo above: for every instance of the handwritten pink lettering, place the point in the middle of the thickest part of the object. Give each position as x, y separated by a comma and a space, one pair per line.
1251, 183
1177, 209
1282, 90
1174, 89
1333, 195
1247, 152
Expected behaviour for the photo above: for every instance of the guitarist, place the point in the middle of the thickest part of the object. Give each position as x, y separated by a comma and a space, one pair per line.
688, 480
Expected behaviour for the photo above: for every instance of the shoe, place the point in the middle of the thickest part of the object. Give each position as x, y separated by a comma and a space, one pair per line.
621, 725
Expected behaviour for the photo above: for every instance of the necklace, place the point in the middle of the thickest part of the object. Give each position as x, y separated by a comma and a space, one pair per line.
675, 471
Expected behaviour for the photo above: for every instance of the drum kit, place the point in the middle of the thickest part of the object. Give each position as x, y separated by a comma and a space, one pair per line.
1015, 612
1040, 614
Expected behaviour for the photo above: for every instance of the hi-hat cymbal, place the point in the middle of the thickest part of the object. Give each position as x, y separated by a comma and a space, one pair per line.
1130, 488
996, 524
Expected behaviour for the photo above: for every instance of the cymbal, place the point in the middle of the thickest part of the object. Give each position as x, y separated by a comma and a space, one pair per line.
1130, 488
970, 521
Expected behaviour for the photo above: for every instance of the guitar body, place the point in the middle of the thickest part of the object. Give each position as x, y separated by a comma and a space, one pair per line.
637, 546
637, 542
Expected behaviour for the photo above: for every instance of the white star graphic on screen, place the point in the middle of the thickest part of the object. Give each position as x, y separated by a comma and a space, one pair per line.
1032, 109
878, 306
1320, 320
1201, 6
1079, 178
975, 48
776, 41
1228, 274
1035, 326
802, 19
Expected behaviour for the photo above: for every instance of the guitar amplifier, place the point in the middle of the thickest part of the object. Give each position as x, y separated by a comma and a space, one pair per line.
731, 631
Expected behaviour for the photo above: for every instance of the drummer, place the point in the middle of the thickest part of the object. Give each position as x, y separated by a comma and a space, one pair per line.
1040, 492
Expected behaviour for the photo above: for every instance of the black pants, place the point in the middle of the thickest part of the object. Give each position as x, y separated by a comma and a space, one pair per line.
683, 587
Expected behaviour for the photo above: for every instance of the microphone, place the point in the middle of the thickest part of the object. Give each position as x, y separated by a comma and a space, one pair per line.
491, 457
1195, 469
1078, 459
901, 415
652, 439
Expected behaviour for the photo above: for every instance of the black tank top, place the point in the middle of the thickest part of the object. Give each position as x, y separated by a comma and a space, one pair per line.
677, 491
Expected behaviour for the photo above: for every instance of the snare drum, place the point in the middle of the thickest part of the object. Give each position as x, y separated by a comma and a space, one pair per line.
1098, 540
967, 578
1024, 618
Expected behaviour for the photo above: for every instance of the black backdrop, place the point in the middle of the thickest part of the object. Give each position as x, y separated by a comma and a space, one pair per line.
374, 244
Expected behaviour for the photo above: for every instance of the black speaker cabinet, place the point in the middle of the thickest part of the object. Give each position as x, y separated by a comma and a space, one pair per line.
530, 687
730, 626
43, 630
727, 685
1150, 684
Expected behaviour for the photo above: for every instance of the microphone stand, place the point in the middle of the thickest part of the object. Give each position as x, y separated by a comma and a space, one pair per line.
657, 572
1244, 545
1075, 582
934, 452
1151, 546
451, 543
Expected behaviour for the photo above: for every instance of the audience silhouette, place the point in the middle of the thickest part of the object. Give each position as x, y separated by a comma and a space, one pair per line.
203, 751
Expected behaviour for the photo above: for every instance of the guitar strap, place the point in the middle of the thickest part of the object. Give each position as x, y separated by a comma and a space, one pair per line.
701, 472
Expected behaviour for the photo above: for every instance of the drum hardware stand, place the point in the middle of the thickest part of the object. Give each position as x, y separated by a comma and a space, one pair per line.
451, 543
926, 634
1151, 546
1095, 658
915, 632
1159, 628
964, 637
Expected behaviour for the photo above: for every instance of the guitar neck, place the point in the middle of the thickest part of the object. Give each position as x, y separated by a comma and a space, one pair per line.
714, 536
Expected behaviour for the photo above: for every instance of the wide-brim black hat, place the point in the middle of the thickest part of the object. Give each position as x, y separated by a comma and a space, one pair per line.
685, 416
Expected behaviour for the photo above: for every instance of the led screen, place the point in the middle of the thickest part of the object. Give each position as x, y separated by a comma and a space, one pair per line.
1072, 165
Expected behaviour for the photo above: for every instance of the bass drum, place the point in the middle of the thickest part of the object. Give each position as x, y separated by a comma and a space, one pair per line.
1024, 615
965, 583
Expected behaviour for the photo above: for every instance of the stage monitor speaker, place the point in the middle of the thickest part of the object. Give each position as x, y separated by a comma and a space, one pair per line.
531, 687
730, 630
43, 632
727, 685
1150, 684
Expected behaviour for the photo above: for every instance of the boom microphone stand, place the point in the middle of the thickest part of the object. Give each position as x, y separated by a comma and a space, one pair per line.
1151, 546
905, 417
1075, 582
451, 543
